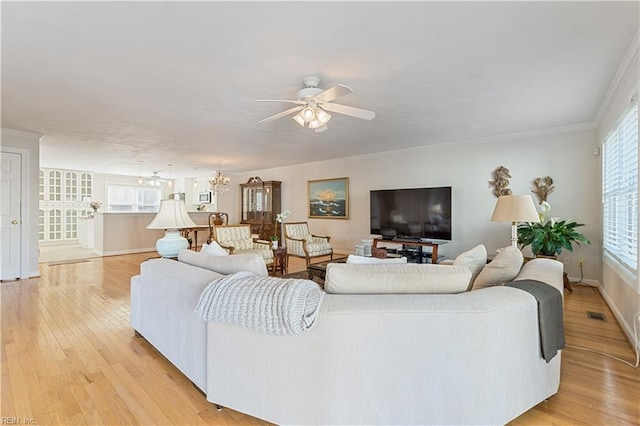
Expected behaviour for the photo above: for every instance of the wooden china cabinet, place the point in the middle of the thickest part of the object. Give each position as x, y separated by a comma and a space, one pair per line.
260, 205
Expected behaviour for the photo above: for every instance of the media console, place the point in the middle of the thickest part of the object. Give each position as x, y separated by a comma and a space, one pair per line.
419, 244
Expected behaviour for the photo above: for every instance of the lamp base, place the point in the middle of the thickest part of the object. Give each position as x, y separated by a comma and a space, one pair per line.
514, 234
171, 243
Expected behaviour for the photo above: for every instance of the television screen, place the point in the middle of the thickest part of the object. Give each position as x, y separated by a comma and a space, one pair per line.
418, 213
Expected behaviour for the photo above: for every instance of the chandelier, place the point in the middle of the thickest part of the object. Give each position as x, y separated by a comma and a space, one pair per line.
219, 182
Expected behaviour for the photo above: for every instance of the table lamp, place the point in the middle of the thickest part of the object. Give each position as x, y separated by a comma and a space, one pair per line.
172, 216
514, 209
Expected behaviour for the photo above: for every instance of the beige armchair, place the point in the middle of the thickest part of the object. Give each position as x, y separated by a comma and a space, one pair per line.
301, 243
237, 239
216, 219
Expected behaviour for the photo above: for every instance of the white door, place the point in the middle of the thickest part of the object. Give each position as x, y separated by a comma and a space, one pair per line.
10, 217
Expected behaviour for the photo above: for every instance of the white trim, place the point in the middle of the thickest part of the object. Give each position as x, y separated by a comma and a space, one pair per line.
119, 252
591, 283
22, 133
517, 135
628, 277
627, 328
628, 61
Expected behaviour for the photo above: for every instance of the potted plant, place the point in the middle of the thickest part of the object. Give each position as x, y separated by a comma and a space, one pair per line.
551, 235
274, 241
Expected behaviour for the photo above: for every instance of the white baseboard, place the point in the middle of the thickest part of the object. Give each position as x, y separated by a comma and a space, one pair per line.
627, 328
120, 252
592, 283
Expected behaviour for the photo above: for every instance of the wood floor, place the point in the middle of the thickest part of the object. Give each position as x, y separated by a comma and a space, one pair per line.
69, 356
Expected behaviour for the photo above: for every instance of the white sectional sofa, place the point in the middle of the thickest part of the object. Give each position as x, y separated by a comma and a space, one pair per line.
467, 358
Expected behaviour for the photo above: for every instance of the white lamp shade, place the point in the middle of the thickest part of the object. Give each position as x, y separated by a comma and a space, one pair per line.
171, 215
515, 208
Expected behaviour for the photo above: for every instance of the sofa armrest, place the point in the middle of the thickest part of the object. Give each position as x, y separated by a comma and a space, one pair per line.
228, 248
302, 240
262, 244
325, 237
163, 298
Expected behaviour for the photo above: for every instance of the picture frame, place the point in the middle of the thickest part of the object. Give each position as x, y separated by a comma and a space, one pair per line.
328, 198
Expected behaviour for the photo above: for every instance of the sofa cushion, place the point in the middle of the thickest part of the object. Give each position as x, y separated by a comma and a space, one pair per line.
395, 279
214, 249
251, 262
504, 267
374, 260
474, 259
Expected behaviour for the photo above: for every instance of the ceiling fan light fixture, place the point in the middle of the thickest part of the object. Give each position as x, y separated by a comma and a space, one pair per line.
322, 116
308, 114
315, 123
299, 119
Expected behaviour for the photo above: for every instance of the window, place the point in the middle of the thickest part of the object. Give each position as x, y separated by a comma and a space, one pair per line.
620, 191
129, 198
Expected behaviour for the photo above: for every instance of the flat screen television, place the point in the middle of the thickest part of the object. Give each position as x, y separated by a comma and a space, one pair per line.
413, 214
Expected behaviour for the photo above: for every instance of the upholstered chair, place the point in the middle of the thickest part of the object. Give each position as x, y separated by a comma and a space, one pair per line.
216, 219
301, 243
237, 239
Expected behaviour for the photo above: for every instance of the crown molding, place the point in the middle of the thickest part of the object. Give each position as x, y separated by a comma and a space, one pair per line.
517, 135
628, 62
22, 133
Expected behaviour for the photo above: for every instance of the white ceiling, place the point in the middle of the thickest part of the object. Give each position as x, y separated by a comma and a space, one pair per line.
114, 83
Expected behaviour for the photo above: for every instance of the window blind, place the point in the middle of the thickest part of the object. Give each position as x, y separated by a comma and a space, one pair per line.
620, 191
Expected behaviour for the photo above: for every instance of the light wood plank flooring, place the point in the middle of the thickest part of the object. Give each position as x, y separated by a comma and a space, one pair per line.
69, 356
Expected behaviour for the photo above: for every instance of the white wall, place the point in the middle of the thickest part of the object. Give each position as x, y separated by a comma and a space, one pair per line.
566, 157
28, 145
618, 288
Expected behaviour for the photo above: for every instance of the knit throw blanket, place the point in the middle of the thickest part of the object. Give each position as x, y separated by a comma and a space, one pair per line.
269, 305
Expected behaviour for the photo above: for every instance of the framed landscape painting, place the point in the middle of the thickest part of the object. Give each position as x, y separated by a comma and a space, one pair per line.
329, 198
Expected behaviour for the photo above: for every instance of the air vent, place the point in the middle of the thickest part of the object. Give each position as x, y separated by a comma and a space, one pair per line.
596, 316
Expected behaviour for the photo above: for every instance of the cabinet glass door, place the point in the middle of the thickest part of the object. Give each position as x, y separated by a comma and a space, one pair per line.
246, 202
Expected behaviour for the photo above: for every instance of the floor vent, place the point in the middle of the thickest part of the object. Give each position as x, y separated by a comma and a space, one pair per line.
596, 316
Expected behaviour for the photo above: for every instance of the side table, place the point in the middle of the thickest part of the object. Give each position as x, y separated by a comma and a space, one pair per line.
279, 261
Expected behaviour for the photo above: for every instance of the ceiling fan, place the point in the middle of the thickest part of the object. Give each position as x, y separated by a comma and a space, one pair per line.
313, 104
154, 180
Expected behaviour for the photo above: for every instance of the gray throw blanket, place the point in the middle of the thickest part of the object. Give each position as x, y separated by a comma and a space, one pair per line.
550, 318
269, 305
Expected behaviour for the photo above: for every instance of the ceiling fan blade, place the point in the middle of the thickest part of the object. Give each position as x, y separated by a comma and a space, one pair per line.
333, 93
347, 110
282, 114
281, 100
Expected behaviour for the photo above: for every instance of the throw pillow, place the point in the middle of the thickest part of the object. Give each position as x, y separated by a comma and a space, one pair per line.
214, 249
383, 278
474, 259
504, 267
251, 262
374, 260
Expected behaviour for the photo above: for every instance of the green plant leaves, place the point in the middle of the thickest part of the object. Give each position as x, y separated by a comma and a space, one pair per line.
550, 238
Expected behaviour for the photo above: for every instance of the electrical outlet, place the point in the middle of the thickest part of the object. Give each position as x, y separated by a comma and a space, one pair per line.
580, 262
